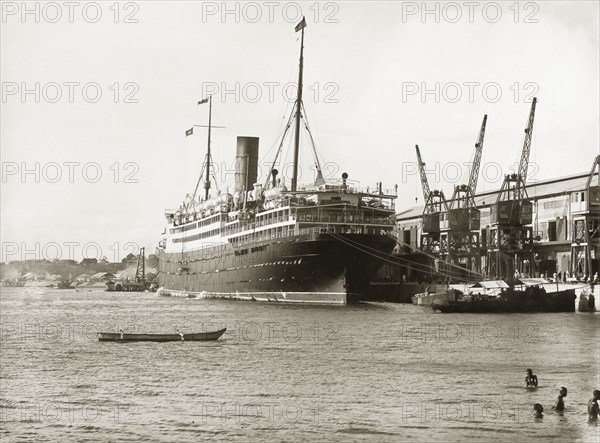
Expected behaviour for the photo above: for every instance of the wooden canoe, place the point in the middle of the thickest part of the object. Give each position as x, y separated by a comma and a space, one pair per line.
125, 338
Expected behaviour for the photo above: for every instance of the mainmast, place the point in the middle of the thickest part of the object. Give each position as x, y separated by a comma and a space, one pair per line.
208, 157
299, 27
207, 178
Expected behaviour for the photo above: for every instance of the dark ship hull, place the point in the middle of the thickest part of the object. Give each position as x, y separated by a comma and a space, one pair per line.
318, 268
562, 301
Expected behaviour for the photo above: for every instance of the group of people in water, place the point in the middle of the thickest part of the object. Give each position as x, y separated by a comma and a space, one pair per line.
531, 381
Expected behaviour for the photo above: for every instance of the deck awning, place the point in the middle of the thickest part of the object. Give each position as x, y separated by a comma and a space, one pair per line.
533, 281
494, 284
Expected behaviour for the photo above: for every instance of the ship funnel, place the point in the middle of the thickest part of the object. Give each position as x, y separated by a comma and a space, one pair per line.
246, 163
274, 173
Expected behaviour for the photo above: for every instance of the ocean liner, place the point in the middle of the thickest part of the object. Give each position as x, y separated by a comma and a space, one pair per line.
321, 243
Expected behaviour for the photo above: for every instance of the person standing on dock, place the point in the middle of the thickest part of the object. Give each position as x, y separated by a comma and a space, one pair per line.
593, 408
531, 380
560, 403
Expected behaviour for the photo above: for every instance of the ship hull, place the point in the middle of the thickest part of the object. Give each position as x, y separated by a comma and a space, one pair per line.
311, 268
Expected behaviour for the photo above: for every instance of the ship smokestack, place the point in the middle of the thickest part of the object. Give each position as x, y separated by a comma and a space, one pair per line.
274, 172
246, 163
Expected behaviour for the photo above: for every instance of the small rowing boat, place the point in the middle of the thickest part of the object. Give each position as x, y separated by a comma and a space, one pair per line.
121, 337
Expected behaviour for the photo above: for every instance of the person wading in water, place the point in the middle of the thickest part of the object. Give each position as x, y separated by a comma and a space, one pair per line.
531, 380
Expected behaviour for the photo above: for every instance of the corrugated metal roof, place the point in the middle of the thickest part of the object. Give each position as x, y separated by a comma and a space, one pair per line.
542, 189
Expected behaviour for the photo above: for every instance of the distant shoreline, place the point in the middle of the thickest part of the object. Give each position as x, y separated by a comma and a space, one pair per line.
44, 272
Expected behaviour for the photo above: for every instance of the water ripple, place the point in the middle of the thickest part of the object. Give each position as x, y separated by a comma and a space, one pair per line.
372, 372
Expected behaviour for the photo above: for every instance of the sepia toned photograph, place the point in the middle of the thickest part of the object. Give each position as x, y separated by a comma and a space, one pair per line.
354, 221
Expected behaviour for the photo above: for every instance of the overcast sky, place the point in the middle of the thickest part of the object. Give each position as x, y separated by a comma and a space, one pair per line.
379, 78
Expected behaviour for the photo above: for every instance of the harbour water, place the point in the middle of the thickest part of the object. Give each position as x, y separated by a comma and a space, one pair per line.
369, 372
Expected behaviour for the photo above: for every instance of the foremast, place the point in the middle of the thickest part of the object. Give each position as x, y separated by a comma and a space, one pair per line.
299, 27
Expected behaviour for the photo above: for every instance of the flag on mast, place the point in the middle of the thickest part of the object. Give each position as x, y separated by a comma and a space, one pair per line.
189, 131
300, 26
201, 102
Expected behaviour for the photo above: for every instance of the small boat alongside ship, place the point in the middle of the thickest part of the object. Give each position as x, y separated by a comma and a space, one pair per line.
129, 286
428, 298
120, 337
532, 299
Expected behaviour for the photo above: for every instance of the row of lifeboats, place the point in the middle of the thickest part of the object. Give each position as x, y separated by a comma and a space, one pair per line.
227, 202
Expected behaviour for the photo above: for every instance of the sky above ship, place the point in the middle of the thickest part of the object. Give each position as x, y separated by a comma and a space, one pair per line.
97, 98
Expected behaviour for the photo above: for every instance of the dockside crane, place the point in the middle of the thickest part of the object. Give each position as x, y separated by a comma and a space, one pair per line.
459, 239
464, 195
510, 239
585, 232
140, 271
435, 203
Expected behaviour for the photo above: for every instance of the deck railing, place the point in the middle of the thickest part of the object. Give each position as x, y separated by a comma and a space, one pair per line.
263, 237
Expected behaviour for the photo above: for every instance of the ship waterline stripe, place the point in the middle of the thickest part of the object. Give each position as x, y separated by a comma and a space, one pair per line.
314, 298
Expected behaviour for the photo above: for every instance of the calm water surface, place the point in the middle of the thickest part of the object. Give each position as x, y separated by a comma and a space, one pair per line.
372, 372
